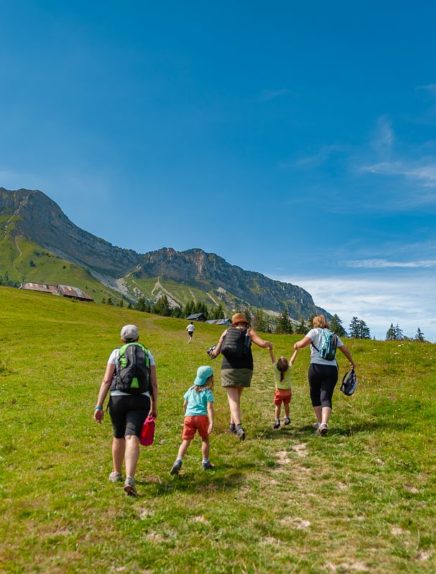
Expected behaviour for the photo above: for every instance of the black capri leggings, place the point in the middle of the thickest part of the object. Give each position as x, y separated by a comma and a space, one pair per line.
322, 382
128, 414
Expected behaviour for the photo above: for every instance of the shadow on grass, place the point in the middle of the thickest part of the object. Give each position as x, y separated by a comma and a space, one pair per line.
194, 480
302, 432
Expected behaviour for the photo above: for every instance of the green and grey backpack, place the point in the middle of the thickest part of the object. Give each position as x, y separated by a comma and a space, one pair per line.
132, 370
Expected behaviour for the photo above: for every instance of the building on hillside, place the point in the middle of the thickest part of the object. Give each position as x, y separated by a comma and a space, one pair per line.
64, 290
219, 322
74, 293
197, 317
40, 287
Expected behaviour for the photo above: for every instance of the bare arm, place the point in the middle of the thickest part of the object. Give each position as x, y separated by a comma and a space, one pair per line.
210, 417
271, 353
304, 342
104, 388
292, 359
217, 349
185, 404
258, 340
154, 392
348, 355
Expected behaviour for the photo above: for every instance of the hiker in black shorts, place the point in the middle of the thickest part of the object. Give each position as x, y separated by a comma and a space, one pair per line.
127, 408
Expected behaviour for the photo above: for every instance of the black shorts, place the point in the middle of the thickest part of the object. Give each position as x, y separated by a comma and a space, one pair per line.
128, 413
322, 382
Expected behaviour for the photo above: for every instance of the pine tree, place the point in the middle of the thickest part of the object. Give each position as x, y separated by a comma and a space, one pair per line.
140, 305
419, 336
284, 324
336, 326
259, 320
399, 336
301, 327
109, 301
359, 329
390, 333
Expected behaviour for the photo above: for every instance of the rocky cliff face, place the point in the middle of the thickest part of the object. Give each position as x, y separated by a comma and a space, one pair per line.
40, 219
35, 216
208, 271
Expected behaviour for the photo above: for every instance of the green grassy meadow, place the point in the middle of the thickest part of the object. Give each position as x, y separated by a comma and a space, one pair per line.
361, 499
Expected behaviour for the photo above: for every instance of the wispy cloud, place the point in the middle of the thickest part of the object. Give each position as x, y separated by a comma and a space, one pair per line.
379, 302
430, 88
423, 173
385, 264
268, 95
319, 158
384, 137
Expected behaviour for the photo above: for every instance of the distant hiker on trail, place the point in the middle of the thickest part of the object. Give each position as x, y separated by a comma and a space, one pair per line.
131, 378
323, 369
198, 406
237, 365
190, 328
283, 390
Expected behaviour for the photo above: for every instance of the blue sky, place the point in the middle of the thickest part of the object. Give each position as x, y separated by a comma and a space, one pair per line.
295, 139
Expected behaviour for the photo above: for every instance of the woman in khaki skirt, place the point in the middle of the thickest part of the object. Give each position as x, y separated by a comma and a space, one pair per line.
237, 365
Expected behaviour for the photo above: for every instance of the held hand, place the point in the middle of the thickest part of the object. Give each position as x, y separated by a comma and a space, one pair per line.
98, 415
295, 347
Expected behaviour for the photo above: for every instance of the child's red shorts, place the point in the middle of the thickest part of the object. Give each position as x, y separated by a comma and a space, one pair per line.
198, 423
282, 396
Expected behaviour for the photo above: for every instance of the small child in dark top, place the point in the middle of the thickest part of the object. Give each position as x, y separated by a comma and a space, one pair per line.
283, 389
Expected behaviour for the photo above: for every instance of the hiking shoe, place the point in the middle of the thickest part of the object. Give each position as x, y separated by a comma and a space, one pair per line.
232, 428
316, 426
176, 467
287, 421
208, 465
240, 433
276, 424
323, 429
115, 477
129, 486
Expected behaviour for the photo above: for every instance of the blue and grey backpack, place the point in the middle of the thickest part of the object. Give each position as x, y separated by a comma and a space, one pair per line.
328, 346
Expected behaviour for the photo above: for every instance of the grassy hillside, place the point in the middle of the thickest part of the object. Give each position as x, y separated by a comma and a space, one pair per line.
24, 261
359, 500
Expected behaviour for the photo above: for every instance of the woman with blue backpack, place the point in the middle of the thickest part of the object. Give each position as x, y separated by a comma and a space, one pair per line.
323, 369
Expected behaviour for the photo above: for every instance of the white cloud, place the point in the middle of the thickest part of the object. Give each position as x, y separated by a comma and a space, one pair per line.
424, 173
384, 136
378, 301
385, 264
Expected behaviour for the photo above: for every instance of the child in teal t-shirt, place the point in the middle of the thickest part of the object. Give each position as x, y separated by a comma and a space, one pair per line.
198, 407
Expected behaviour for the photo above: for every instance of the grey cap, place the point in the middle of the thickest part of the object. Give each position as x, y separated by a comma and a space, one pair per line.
129, 333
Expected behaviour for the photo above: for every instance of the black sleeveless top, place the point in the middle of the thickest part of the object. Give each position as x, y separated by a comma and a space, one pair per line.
236, 350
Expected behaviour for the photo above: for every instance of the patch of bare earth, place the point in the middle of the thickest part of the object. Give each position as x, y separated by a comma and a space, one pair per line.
300, 449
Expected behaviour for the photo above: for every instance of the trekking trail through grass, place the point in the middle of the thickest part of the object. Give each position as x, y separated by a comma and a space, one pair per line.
361, 499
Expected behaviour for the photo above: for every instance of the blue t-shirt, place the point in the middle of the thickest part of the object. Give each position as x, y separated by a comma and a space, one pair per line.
197, 402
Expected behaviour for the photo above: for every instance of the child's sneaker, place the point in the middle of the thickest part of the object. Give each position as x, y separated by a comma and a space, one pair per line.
276, 424
240, 433
208, 465
129, 486
323, 429
287, 421
176, 467
115, 477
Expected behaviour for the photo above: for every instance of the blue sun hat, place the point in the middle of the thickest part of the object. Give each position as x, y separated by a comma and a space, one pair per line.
203, 374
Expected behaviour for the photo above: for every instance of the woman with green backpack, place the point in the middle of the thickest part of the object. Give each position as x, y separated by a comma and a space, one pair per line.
323, 369
131, 380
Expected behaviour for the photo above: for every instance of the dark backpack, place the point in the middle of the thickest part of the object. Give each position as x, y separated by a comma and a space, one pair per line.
236, 344
132, 370
328, 345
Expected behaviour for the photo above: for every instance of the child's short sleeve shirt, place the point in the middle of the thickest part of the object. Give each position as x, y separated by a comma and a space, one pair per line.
284, 385
197, 402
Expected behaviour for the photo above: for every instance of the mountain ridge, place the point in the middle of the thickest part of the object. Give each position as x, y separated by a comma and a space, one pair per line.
190, 274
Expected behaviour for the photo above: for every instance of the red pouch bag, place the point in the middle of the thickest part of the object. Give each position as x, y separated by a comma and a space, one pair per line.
147, 432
